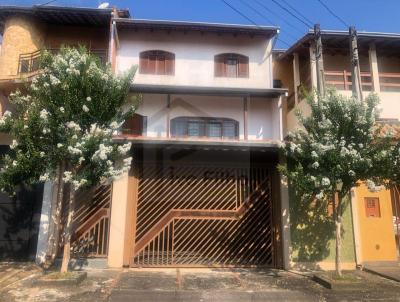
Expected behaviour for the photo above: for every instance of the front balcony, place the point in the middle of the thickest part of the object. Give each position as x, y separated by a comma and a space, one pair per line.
185, 115
28, 63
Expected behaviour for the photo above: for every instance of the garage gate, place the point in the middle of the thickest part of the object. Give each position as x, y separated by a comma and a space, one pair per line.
203, 215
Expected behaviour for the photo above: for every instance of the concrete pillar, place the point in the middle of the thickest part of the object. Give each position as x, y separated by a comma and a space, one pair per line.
118, 229
313, 67
285, 220
373, 66
356, 226
43, 237
296, 76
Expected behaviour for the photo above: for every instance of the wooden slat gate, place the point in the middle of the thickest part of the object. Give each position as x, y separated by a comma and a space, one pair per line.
203, 215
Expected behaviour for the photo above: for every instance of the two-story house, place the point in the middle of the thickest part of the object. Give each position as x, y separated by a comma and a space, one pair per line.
204, 189
26, 31
372, 220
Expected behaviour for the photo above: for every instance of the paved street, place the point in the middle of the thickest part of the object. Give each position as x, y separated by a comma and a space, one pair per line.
155, 285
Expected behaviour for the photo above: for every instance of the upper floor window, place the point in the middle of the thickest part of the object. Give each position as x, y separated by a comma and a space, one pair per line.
157, 62
205, 127
136, 125
231, 65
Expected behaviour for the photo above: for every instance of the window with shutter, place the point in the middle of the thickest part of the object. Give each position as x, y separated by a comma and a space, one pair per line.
157, 62
223, 128
231, 65
136, 125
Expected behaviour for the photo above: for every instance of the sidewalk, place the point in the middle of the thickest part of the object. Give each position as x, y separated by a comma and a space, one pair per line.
199, 285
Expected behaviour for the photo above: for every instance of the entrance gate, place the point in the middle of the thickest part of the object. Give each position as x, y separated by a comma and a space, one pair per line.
203, 215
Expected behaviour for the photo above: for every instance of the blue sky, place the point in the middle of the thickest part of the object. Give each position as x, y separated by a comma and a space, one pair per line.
369, 15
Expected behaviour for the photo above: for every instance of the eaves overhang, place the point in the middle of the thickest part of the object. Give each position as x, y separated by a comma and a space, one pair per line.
49, 14
340, 39
212, 91
167, 25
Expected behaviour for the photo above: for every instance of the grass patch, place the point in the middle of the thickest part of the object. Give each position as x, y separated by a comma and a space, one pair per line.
346, 277
61, 276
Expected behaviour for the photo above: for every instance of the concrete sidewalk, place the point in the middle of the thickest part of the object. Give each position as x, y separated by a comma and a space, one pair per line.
206, 285
192, 285
391, 271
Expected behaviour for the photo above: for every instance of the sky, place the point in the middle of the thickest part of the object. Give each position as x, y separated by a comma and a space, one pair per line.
366, 15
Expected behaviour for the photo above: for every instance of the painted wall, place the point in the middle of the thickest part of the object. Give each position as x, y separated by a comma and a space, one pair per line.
376, 238
313, 236
263, 117
21, 35
194, 57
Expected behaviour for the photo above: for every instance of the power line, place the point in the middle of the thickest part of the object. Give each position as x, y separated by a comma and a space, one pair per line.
240, 13
277, 16
264, 17
298, 12
48, 2
250, 20
333, 14
293, 15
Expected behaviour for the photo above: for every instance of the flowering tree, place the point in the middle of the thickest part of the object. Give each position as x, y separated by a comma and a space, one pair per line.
338, 146
62, 129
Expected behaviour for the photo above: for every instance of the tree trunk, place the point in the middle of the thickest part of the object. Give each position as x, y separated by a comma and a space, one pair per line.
55, 218
67, 231
338, 224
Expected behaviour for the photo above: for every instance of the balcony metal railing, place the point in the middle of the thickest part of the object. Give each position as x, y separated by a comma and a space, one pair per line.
29, 62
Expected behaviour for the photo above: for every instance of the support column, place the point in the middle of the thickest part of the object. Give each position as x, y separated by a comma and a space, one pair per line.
356, 226
313, 66
285, 222
168, 124
245, 118
43, 237
296, 77
373, 66
119, 231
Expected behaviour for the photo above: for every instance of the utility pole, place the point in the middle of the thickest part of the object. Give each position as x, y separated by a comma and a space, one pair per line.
355, 64
319, 60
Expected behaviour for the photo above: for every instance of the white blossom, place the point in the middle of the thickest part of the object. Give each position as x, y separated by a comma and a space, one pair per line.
88, 99
102, 152
85, 108
14, 144
73, 126
81, 159
74, 151
44, 177
315, 165
59, 145
325, 181
44, 114
372, 187
46, 130
62, 109
67, 176
53, 80
123, 149
41, 154
14, 163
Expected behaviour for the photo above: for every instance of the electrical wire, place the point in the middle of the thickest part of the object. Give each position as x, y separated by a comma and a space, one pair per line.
265, 17
293, 15
333, 14
298, 12
251, 21
240, 13
266, 8
48, 2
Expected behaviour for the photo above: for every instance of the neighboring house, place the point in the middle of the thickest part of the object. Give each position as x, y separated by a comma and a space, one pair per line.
204, 188
371, 214
26, 32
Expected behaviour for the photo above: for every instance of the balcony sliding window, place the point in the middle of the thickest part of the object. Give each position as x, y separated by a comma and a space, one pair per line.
157, 62
231, 65
205, 127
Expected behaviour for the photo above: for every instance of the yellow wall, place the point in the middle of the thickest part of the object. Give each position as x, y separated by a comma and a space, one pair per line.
21, 35
376, 236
